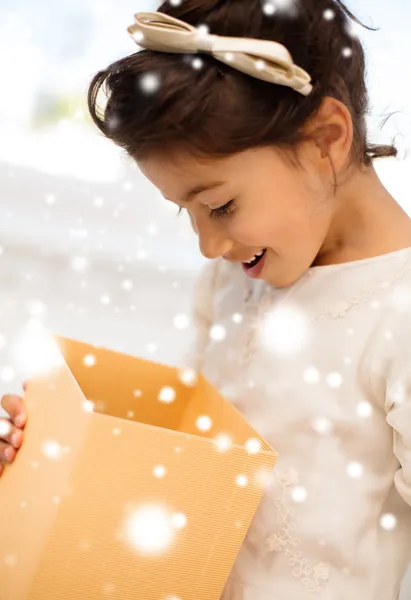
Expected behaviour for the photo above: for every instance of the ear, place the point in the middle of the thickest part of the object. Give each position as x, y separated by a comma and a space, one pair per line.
333, 133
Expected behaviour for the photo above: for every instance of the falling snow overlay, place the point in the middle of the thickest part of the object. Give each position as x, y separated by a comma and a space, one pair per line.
90, 250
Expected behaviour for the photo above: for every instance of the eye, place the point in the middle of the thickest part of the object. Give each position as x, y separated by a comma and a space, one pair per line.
218, 212
223, 210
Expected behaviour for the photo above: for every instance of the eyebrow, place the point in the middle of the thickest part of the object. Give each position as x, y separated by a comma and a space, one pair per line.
198, 189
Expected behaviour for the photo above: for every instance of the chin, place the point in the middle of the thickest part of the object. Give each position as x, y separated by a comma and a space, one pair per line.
280, 283
284, 281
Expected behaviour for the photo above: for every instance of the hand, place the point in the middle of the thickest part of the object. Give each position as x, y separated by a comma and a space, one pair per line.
11, 429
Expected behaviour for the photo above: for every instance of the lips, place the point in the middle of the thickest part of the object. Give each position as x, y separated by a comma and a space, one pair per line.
255, 261
255, 268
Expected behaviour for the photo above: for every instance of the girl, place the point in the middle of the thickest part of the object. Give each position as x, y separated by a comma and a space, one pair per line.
303, 310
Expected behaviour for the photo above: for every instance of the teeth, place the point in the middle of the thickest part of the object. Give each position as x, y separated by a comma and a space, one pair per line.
250, 260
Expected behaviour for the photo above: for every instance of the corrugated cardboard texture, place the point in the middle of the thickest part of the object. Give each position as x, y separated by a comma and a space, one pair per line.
67, 501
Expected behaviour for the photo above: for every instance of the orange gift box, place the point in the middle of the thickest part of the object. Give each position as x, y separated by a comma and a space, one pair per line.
136, 480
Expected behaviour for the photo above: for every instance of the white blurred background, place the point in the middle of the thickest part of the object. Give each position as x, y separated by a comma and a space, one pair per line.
88, 248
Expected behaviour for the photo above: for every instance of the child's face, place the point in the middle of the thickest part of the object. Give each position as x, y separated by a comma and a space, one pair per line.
275, 207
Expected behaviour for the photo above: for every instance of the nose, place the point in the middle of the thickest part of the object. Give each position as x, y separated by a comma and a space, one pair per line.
213, 247
212, 242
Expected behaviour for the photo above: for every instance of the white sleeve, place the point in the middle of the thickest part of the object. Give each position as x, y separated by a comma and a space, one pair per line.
202, 315
398, 403
399, 417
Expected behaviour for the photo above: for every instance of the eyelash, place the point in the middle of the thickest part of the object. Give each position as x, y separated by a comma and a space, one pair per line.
218, 212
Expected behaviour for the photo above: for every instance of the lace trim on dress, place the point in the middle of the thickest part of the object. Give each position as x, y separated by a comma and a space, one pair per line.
259, 308
312, 576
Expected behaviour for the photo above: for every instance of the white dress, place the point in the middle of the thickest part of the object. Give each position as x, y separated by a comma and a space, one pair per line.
328, 385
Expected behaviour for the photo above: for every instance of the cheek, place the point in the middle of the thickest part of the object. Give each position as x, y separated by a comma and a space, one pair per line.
272, 229
255, 229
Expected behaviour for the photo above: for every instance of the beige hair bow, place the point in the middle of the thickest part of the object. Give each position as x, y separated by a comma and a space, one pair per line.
262, 59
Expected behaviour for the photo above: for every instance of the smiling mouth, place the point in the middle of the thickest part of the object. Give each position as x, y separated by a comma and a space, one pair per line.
255, 261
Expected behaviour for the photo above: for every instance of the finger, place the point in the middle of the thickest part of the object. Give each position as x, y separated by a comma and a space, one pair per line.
15, 407
24, 385
6, 427
10, 433
1, 468
7, 452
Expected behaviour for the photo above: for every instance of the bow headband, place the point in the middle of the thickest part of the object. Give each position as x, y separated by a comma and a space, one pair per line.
262, 59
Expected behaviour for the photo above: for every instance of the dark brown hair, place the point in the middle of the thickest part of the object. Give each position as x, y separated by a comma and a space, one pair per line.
216, 111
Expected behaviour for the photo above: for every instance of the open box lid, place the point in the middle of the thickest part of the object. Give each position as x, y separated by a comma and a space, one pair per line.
129, 387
